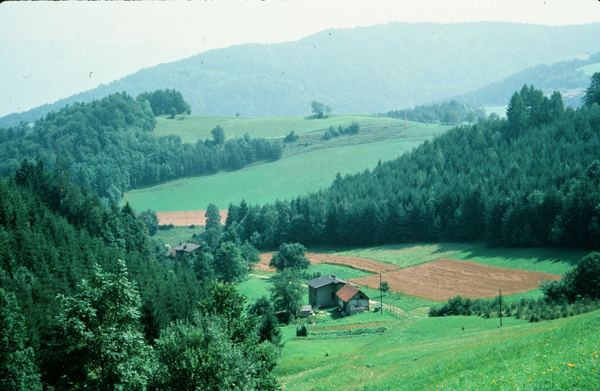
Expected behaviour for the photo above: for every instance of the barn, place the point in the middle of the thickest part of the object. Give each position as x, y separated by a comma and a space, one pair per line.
322, 290
352, 300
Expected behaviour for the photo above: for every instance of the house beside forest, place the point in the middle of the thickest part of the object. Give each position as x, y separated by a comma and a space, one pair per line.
352, 300
182, 249
322, 290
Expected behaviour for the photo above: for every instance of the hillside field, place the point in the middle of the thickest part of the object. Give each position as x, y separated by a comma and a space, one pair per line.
448, 353
192, 128
307, 165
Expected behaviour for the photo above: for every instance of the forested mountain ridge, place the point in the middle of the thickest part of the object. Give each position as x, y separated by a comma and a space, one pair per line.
108, 146
529, 180
562, 76
361, 70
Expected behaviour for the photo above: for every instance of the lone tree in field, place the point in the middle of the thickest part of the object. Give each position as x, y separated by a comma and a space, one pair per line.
290, 256
218, 135
384, 287
317, 108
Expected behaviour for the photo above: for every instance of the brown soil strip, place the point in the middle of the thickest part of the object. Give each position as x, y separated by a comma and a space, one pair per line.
446, 278
187, 218
365, 264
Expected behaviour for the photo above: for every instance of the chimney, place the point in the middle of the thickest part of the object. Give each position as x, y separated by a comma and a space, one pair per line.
333, 276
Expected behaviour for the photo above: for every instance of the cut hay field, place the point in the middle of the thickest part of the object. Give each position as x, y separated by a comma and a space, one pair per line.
365, 264
445, 278
546, 260
192, 128
186, 218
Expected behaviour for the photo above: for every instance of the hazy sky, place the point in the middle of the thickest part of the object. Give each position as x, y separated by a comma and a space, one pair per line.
51, 50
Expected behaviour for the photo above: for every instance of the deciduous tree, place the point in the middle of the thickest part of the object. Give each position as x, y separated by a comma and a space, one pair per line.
290, 256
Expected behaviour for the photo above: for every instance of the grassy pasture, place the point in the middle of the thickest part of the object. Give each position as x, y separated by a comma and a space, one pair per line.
590, 69
306, 165
450, 353
192, 128
283, 179
254, 288
176, 235
342, 272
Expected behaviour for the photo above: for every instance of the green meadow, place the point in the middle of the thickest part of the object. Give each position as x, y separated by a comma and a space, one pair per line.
259, 184
192, 128
590, 69
449, 353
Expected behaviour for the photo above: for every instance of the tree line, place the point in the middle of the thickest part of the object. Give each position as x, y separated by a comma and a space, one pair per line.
108, 146
529, 180
88, 300
451, 113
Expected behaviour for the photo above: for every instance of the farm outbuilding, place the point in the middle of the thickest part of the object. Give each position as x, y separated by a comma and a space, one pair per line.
322, 290
352, 300
182, 249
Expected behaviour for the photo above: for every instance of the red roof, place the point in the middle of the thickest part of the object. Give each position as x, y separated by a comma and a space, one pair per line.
347, 292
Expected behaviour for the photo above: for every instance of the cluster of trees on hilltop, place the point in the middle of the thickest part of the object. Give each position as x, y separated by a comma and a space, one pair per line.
452, 113
165, 102
108, 146
531, 180
87, 300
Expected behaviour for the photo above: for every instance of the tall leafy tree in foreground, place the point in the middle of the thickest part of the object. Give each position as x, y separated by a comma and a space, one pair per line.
286, 292
230, 265
218, 349
17, 366
103, 348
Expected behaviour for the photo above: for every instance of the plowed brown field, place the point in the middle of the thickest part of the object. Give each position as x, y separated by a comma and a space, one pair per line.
446, 278
183, 219
368, 265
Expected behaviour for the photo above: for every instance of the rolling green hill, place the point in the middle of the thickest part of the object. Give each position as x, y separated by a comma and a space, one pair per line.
191, 128
308, 164
449, 353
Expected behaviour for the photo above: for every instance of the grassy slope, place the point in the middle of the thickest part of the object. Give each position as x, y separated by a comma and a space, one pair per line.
302, 168
591, 68
192, 128
451, 353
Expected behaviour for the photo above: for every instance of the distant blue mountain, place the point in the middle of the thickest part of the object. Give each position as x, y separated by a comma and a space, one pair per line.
361, 70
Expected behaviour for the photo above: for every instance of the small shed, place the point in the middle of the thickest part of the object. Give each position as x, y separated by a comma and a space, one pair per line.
352, 300
305, 311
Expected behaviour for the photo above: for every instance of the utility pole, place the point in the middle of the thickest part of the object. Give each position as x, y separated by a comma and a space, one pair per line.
500, 307
380, 294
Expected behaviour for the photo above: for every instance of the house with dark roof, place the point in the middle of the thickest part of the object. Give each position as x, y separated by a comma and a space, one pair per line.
182, 249
352, 300
322, 290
